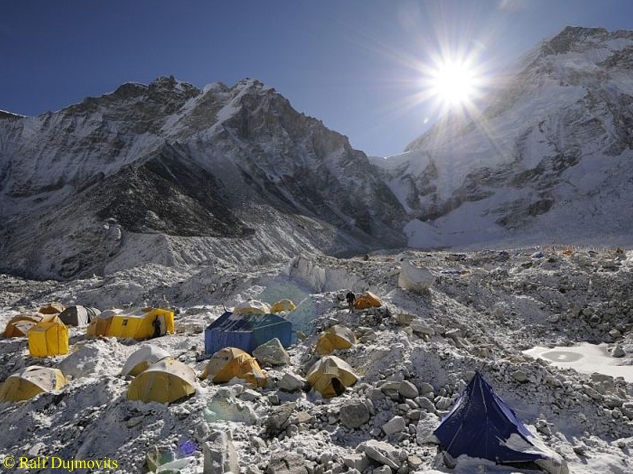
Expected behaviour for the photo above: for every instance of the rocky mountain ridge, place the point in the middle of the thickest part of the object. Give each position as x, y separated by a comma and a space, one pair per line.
197, 175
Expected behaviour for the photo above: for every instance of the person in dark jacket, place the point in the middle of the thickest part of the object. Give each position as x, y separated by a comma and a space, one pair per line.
351, 299
157, 328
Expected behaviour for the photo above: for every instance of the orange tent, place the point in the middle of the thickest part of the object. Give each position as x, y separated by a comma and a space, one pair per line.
367, 300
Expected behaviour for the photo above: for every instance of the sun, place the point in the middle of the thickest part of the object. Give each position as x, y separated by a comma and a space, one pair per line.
453, 82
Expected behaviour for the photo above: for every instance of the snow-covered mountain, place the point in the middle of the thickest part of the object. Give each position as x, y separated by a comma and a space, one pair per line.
545, 158
167, 173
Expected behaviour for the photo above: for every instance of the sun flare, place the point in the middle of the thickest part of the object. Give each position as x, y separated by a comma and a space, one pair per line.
453, 82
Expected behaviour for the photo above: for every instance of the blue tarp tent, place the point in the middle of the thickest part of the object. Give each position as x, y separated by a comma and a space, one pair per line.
246, 331
481, 425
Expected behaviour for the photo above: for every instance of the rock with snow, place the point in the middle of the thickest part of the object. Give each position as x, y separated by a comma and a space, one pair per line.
395, 425
414, 278
291, 382
381, 452
219, 454
272, 353
617, 351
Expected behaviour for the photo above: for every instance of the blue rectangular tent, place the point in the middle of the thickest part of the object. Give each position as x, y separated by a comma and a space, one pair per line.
246, 331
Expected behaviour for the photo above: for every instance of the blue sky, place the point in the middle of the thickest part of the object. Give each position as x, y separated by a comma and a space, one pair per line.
354, 64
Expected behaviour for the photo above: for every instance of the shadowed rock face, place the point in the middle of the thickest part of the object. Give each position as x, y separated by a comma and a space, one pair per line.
191, 168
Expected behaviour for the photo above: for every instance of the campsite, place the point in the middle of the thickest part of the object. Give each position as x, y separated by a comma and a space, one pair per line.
377, 389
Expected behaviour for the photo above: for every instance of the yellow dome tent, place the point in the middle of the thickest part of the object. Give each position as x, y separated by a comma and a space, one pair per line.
252, 307
52, 308
232, 362
330, 376
19, 325
164, 382
283, 305
48, 338
335, 337
142, 359
29, 382
367, 300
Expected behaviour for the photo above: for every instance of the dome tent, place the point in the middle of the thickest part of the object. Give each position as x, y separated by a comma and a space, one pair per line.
52, 308
29, 382
335, 337
19, 325
78, 315
252, 307
283, 305
142, 359
166, 381
232, 362
330, 376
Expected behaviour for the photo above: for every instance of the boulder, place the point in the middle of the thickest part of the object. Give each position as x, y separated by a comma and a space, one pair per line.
291, 382
381, 452
395, 425
278, 419
618, 351
220, 454
272, 353
354, 413
286, 463
414, 278
419, 326
407, 389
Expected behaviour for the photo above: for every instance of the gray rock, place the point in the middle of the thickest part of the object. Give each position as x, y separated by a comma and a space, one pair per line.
414, 278
443, 403
407, 389
453, 334
627, 409
219, 454
419, 326
278, 420
520, 376
396, 425
250, 395
301, 417
291, 382
425, 428
426, 405
358, 461
426, 388
286, 463
554, 318
618, 351
354, 413
381, 470
232, 410
404, 319
381, 452
590, 391
272, 353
